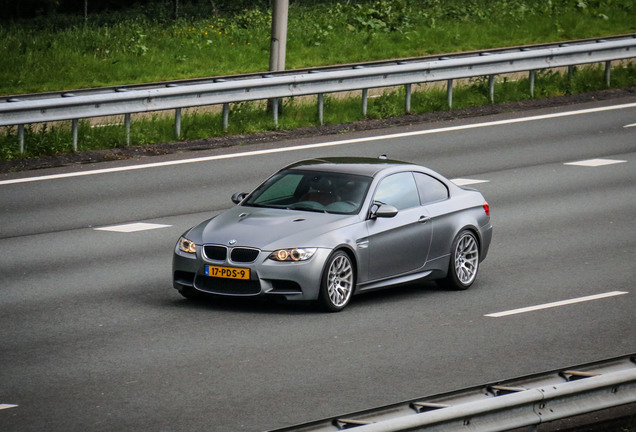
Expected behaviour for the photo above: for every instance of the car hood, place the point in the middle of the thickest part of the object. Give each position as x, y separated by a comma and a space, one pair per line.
270, 229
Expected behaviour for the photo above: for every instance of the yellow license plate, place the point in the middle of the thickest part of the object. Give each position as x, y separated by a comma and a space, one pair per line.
227, 272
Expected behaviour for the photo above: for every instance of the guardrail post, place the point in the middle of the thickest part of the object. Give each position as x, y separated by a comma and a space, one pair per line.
177, 122
491, 88
365, 100
21, 138
226, 116
275, 111
98, 103
127, 126
531, 79
74, 123
407, 101
321, 107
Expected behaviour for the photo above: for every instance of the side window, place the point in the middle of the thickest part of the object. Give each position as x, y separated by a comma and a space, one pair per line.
398, 190
431, 189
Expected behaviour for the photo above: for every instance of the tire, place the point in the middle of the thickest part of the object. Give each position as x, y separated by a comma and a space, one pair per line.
338, 282
464, 262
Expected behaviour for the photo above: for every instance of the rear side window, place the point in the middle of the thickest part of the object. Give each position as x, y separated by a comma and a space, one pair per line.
431, 190
398, 190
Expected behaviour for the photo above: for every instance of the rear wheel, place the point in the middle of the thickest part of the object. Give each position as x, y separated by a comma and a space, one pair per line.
338, 281
464, 262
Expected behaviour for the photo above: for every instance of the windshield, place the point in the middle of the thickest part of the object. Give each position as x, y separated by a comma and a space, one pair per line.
324, 192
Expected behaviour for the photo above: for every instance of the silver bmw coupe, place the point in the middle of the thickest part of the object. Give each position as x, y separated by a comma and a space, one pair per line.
326, 229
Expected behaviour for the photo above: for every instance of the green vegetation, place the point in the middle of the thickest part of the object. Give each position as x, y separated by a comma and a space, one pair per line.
146, 44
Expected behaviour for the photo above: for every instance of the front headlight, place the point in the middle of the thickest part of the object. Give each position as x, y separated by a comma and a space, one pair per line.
295, 254
187, 246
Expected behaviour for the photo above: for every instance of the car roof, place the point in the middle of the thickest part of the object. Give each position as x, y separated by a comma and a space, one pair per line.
349, 165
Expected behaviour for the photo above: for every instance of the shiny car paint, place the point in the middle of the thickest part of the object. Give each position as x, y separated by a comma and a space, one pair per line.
386, 244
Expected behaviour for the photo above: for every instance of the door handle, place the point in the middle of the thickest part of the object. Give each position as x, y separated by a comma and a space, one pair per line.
424, 219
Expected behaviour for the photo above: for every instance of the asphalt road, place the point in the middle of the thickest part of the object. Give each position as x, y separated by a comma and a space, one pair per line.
94, 338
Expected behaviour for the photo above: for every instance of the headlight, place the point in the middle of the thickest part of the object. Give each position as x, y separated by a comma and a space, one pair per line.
295, 254
187, 246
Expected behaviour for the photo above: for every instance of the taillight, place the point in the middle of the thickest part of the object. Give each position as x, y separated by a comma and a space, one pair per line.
486, 208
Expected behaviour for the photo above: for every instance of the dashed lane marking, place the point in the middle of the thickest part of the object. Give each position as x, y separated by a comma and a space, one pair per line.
466, 182
556, 304
7, 406
132, 227
595, 162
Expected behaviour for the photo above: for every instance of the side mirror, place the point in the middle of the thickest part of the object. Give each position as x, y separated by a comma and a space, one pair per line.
238, 197
383, 211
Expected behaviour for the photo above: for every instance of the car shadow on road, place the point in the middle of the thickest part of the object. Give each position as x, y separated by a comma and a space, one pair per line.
270, 306
394, 294
244, 304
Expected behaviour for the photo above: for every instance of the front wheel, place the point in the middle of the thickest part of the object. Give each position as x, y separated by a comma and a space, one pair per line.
338, 281
464, 262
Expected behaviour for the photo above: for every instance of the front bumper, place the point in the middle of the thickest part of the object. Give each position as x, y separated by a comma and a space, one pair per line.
291, 280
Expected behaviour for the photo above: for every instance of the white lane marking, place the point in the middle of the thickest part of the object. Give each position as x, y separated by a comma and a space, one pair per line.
132, 227
317, 145
595, 162
630, 125
556, 304
7, 406
466, 182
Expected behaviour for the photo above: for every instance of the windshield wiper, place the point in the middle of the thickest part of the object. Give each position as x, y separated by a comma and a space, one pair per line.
307, 208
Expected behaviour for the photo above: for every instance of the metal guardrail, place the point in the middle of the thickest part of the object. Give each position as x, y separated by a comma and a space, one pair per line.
19, 111
501, 406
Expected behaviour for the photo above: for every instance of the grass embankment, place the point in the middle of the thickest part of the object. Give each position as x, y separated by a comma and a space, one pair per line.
146, 45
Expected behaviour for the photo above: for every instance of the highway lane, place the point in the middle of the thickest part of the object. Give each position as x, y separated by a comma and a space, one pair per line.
76, 202
94, 338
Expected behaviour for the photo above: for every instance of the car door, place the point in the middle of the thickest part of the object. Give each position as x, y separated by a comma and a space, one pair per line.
398, 244
434, 196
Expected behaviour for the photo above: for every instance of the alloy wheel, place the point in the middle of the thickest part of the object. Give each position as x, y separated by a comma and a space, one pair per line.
466, 258
340, 281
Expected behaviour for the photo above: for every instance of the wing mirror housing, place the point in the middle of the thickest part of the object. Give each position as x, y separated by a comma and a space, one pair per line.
238, 197
383, 211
